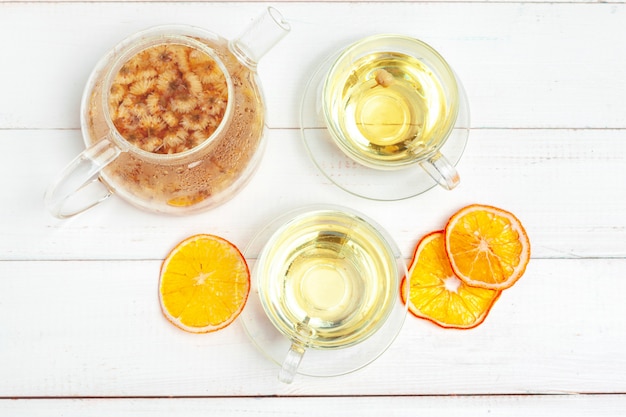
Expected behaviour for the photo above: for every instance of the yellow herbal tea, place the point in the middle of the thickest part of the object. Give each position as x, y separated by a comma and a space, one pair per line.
386, 109
327, 279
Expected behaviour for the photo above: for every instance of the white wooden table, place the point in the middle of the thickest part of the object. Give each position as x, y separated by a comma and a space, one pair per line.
81, 332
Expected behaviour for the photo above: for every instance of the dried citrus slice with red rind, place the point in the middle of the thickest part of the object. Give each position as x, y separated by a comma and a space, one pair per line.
437, 294
488, 247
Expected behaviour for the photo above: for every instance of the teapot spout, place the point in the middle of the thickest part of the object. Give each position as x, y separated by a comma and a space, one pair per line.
259, 37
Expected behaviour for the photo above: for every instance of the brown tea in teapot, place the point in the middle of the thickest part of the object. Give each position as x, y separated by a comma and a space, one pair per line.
168, 98
172, 101
173, 120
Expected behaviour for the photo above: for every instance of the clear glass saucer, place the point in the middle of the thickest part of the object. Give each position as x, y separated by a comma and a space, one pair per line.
357, 179
316, 362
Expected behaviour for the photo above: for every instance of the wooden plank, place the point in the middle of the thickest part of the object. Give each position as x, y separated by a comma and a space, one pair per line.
523, 64
565, 186
80, 315
513, 406
95, 329
302, 1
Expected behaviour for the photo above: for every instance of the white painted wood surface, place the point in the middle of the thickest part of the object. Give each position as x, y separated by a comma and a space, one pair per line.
80, 328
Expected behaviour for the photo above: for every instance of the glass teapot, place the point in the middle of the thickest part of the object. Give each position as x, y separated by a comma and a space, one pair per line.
172, 119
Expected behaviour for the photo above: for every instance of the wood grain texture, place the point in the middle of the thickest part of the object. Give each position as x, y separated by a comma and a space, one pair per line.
95, 329
81, 332
475, 406
523, 64
565, 185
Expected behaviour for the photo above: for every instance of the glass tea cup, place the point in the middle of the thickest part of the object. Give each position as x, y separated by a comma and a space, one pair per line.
172, 119
391, 101
325, 291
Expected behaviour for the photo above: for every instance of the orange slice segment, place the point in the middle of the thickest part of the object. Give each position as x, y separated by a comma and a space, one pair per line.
487, 246
204, 284
186, 200
438, 295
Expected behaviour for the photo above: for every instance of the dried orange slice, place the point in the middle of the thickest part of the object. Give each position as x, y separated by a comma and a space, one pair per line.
204, 284
438, 295
487, 246
185, 201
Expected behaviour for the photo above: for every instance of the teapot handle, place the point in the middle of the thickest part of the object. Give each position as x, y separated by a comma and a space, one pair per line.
75, 190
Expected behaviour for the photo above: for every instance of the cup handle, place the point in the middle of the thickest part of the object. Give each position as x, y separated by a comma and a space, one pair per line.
441, 170
70, 194
291, 363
